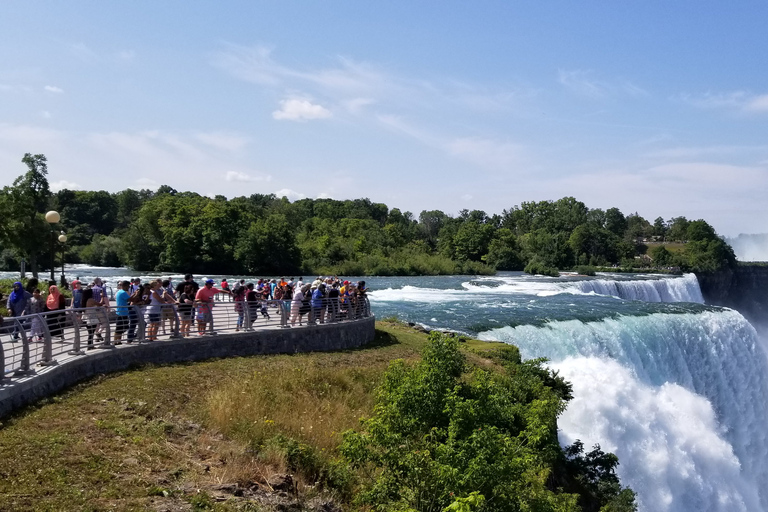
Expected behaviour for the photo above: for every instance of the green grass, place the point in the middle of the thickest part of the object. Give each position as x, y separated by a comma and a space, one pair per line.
165, 437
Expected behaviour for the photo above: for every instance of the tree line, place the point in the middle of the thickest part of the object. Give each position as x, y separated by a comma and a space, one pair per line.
262, 234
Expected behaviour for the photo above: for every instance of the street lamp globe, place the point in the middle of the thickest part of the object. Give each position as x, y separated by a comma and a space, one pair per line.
62, 238
52, 217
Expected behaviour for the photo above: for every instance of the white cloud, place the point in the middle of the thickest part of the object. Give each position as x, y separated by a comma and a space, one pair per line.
45, 114
243, 177
324, 195
734, 100
488, 153
54, 89
292, 195
64, 184
356, 105
223, 141
147, 183
757, 104
300, 110
582, 82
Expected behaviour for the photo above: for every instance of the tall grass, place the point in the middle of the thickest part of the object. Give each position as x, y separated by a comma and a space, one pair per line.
301, 400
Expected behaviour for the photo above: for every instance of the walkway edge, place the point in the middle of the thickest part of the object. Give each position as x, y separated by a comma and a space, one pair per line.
18, 392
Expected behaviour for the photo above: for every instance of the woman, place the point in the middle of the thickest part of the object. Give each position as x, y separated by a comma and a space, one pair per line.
298, 299
154, 310
239, 297
186, 300
55, 304
17, 305
169, 309
92, 316
36, 307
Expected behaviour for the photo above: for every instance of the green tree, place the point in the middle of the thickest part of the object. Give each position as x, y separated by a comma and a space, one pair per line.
268, 247
504, 253
22, 208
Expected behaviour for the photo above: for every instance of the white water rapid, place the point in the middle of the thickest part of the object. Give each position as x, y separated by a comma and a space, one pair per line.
680, 398
684, 289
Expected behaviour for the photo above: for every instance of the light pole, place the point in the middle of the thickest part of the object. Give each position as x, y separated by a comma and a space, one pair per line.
62, 240
52, 217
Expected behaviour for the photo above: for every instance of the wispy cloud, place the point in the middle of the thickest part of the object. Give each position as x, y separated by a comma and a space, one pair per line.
222, 140
584, 83
243, 177
64, 184
54, 89
300, 110
292, 195
734, 100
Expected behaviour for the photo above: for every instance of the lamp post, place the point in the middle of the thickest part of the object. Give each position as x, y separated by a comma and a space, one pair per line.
52, 217
62, 240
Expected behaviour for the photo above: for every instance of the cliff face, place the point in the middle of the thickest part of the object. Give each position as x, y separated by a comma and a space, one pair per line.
744, 289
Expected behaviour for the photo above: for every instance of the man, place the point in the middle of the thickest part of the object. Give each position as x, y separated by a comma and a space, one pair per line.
225, 287
187, 280
17, 304
121, 310
204, 297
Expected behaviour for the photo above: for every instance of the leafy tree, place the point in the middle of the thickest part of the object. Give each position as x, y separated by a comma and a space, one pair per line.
22, 206
615, 222
504, 252
678, 229
268, 247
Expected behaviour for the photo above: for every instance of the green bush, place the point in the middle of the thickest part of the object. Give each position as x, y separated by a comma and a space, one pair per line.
441, 435
586, 270
537, 267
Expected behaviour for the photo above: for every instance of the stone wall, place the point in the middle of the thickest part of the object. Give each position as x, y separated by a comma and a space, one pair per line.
18, 392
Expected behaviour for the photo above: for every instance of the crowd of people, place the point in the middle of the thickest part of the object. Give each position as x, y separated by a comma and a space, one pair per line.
324, 300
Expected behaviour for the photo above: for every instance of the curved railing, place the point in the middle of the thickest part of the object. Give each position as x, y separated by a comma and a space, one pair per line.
54, 336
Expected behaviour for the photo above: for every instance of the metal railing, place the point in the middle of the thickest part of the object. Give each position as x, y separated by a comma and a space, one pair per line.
45, 338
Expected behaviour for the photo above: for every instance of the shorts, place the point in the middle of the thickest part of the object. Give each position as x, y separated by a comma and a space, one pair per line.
204, 315
122, 324
154, 318
168, 313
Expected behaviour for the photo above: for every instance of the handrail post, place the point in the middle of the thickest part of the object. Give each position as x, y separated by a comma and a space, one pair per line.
283, 314
48, 359
74, 314
141, 328
25, 366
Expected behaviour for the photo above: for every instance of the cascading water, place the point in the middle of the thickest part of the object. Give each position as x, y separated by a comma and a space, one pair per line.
680, 398
685, 289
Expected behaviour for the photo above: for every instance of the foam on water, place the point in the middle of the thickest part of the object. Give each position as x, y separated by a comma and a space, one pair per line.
652, 289
678, 397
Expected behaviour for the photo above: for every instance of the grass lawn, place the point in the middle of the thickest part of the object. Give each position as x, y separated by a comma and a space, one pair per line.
170, 438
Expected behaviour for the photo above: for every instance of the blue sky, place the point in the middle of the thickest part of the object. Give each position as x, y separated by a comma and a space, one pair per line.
659, 108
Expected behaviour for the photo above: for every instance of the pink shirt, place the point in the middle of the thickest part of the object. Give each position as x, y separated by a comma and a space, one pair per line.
206, 294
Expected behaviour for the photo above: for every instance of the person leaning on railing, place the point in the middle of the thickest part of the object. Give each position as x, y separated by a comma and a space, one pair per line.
186, 308
121, 310
204, 298
17, 305
55, 304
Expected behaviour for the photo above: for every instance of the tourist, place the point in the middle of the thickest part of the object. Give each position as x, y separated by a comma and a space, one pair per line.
204, 298
286, 304
154, 310
36, 307
296, 303
121, 311
77, 293
333, 302
251, 303
17, 304
239, 298
55, 303
169, 314
317, 303
186, 309
188, 279
225, 287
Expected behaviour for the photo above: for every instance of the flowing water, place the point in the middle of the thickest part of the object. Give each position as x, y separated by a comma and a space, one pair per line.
674, 387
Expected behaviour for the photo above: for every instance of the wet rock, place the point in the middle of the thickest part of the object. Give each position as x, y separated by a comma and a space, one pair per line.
281, 482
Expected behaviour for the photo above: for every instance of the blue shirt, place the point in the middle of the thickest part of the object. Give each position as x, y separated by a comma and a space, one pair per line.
122, 302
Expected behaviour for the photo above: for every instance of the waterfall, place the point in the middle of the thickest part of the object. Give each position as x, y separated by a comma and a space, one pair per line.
684, 289
680, 398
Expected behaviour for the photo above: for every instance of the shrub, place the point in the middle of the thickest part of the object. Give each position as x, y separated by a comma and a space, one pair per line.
440, 436
586, 270
535, 267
